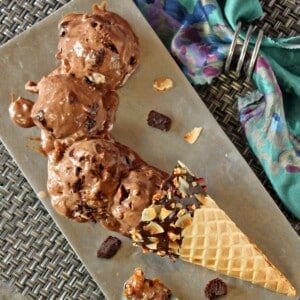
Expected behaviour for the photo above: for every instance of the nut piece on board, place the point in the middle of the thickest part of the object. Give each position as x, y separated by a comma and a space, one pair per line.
192, 136
162, 84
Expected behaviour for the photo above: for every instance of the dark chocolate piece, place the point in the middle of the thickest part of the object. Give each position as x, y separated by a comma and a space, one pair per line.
159, 121
215, 288
109, 247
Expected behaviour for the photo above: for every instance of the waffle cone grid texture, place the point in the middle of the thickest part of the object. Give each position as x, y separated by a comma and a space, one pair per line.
214, 241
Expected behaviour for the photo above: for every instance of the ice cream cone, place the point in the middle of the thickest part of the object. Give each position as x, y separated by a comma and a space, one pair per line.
184, 222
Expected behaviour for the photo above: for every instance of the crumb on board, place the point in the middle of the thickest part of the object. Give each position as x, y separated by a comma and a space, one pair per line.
42, 195
192, 136
162, 84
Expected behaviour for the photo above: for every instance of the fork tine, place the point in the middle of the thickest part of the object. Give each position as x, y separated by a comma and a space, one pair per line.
243, 51
241, 60
232, 47
254, 54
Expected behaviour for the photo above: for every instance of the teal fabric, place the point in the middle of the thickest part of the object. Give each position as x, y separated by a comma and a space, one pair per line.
199, 34
274, 134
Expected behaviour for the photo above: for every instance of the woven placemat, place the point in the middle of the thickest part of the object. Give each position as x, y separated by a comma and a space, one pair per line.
35, 258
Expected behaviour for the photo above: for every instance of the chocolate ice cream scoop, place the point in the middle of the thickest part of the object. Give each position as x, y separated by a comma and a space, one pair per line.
101, 47
100, 179
84, 181
69, 107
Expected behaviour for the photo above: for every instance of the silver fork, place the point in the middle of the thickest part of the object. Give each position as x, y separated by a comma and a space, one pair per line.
245, 44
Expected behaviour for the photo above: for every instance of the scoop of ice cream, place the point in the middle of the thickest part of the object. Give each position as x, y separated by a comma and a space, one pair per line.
101, 47
68, 106
100, 179
84, 181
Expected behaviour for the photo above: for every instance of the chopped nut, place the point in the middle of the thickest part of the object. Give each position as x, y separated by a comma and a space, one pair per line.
149, 214
152, 246
161, 253
179, 171
136, 236
181, 213
173, 236
162, 84
157, 196
174, 246
183, 186
153, 228
184, 221
31, 86
97, 78
192, 136
164, 213
153, 239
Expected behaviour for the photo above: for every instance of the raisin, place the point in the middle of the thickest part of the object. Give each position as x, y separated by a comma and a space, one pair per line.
109, 247
215, 288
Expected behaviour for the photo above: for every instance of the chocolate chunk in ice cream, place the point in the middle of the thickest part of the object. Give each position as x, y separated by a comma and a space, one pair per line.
100, 47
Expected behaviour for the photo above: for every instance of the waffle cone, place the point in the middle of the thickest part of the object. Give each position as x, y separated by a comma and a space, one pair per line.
213, 241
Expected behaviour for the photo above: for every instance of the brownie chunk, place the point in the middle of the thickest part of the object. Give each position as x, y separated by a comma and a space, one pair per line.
109, 247
159, 121
215, 288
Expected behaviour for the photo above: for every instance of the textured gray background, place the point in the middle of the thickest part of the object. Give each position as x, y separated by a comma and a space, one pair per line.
35, 258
